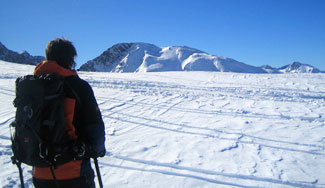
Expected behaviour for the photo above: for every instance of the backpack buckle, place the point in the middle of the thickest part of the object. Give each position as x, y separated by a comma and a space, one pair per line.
28, 111
79, 149
43, 151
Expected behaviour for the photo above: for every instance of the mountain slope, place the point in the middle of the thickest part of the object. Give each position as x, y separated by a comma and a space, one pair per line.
143, 57
270, 69
21, 58
297, 67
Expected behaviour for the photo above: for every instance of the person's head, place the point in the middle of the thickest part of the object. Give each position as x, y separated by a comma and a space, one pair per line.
62, 51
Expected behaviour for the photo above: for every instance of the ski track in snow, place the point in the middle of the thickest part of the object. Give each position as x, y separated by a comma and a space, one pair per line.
135, 122
197, 129
201, 172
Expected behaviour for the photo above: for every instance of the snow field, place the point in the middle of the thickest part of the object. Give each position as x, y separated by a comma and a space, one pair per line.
197, 129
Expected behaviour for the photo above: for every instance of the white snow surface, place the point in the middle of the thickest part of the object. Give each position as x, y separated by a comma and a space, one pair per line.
196, 129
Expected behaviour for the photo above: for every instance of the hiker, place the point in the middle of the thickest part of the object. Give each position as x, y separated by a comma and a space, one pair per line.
83, 121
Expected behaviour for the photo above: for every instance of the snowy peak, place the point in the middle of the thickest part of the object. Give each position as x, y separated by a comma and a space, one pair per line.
21, 58
270, 69
144, 57
297, 67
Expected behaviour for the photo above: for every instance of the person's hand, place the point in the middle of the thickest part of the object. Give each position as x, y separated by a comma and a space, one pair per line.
97, 151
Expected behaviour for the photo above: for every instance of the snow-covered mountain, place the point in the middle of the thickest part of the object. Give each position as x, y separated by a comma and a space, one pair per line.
297, 67
143, 57
21, 58
270, 69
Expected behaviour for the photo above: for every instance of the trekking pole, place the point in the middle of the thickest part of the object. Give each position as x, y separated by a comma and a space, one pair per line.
21, 175
98, 173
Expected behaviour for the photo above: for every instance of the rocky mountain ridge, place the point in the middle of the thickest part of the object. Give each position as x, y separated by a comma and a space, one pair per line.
21, 58
297, 67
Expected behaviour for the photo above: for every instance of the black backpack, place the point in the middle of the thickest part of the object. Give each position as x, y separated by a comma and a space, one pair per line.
40, 138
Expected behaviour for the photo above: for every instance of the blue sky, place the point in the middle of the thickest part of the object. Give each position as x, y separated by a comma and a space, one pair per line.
256, 32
